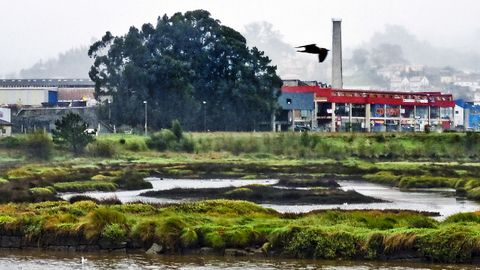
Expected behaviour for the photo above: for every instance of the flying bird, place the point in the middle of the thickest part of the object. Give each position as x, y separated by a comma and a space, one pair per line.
312, 48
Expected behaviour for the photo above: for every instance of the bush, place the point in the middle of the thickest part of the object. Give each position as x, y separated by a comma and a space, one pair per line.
177, 129
80, 198
115, 232
82, 186
10, 143
136, 145
167, 140
99, 218
161, 140
39, 145
463, 217
101, 149
132, 180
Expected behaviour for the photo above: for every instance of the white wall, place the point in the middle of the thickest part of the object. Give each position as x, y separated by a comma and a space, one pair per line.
5, 114
24, 96
458, 119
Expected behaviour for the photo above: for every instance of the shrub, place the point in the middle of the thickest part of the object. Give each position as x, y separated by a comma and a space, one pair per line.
447, 246
115, 232
136, 145
38, 145
177, 129
79, 198
145, 232
132, 180
189, 238
10, 142
214, 240
463, 217
101, 149
82, 186
99, 218
169, 232
122, 141
41, 191
161, 140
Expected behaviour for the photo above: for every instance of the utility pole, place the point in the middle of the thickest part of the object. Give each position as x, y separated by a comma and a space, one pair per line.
146, 119
204, 116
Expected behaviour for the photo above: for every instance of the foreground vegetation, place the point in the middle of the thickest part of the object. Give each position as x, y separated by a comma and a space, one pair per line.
287, 156
222, 225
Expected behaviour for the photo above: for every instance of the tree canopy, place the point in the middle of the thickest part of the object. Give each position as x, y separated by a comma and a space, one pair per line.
187, 67
70, 131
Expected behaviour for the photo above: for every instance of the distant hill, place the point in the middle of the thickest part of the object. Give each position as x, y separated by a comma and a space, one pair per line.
422, 52
73, 63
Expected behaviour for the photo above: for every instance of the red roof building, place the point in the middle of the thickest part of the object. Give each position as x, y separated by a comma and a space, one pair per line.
376, 110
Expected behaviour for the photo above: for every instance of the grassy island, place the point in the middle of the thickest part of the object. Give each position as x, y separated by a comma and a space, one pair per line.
240, 228
266, 194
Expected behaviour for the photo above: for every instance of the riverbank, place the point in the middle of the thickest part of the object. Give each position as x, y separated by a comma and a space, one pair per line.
239, 228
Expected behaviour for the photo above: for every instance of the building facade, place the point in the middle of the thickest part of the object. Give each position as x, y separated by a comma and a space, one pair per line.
370, 110
47, 92
5, 122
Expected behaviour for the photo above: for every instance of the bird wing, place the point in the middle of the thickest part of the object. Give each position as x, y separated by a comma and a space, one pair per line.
322, 55
305, 46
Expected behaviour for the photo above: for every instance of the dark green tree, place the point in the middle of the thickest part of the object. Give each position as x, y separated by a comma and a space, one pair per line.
178, 64
70, 131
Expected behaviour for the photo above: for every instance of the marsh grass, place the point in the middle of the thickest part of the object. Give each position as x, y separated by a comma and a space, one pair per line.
220, 224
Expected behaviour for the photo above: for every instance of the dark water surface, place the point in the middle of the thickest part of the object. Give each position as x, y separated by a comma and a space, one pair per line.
34, 260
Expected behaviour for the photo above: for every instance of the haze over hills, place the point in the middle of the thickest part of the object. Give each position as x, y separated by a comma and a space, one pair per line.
73, 63
395, 44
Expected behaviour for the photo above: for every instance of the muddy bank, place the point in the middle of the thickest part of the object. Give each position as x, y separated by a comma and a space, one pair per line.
266, 194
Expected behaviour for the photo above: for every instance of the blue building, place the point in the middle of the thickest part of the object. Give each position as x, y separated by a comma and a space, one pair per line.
297, 111
471, 114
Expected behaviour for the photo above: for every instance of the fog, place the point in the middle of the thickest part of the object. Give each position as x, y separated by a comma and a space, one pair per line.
438, 33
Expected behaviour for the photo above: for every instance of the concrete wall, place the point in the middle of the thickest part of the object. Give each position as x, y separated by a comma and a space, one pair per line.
24, 96
29, 120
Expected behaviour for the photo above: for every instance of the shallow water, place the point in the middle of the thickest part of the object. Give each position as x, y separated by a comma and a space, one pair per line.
442, 201
20, 259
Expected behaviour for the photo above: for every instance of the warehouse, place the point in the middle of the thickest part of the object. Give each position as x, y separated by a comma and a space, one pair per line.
45, 92
375, 110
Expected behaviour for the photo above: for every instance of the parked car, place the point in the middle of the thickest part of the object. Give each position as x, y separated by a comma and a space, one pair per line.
301, 128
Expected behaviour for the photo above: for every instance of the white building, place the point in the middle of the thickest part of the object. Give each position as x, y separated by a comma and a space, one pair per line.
458, 116
418, 83
5, 122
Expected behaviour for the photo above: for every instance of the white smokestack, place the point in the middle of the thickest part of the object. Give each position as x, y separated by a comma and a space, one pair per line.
337, 77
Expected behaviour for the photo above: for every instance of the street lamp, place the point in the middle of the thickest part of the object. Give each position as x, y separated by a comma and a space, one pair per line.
204, 116
109, 112
146, 119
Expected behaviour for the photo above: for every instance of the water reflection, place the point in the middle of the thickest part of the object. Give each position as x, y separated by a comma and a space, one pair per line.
34, 260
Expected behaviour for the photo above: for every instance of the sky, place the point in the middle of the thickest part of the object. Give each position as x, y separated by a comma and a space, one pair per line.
31, 30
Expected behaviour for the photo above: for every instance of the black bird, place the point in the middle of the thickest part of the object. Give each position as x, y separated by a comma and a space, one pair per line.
312, 48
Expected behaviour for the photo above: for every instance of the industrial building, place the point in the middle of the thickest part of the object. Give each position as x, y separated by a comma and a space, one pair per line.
469, 115
47, 92
370, 110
